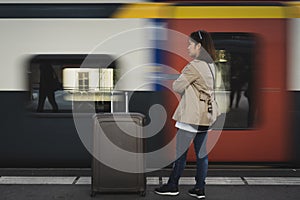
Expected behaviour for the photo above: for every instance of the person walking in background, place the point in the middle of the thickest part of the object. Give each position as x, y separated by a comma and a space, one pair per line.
237, 80
193, 115
48, 85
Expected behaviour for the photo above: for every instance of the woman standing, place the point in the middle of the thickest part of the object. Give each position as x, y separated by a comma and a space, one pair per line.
194, 113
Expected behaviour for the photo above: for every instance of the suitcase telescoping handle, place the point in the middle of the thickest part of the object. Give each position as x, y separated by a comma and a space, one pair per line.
112, 102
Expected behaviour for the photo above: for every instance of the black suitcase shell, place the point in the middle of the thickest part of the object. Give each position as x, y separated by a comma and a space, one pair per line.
104, 178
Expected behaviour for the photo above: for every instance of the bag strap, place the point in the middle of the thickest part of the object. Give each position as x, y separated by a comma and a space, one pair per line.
214, 84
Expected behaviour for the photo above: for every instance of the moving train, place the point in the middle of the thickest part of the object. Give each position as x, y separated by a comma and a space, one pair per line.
94, 48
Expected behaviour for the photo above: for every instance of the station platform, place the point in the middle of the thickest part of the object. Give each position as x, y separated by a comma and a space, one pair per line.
226, 184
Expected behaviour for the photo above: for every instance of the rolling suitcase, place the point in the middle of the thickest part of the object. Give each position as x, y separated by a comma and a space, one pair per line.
109, 135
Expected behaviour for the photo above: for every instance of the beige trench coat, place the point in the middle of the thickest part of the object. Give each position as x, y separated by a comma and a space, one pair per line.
195, 84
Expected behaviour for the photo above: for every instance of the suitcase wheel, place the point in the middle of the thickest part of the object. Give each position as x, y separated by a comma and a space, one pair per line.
143, 193
93, 194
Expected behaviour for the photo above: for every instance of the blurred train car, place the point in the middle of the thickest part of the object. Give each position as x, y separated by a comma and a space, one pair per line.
44, 40
251, 45
293, 77
255, 45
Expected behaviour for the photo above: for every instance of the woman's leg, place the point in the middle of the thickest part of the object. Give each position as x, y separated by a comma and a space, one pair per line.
52, 101
202, 159
183, 141
42, 98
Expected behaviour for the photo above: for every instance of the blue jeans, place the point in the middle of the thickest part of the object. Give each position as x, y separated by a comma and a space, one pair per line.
183, 141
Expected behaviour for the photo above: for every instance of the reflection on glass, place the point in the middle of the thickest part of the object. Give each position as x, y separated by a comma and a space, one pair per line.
49, 83
83, 81
235, 66
58, 80
88, 84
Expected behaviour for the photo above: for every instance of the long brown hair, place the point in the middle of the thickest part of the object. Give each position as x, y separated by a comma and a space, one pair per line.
205, 40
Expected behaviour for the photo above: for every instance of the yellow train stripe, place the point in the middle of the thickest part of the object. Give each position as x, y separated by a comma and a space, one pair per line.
144, 10
229, 12
166, 10
293, 10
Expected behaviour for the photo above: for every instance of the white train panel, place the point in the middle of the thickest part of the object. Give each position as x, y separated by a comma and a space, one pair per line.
23, 38
293, 55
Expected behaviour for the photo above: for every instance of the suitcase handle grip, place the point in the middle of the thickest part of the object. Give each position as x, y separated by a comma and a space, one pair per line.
112, 102
126, 102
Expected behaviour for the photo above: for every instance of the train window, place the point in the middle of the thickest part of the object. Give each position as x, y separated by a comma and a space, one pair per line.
235, 67
58, 80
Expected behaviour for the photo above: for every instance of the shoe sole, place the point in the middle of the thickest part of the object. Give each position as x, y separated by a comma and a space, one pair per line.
167, 193
198, 197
